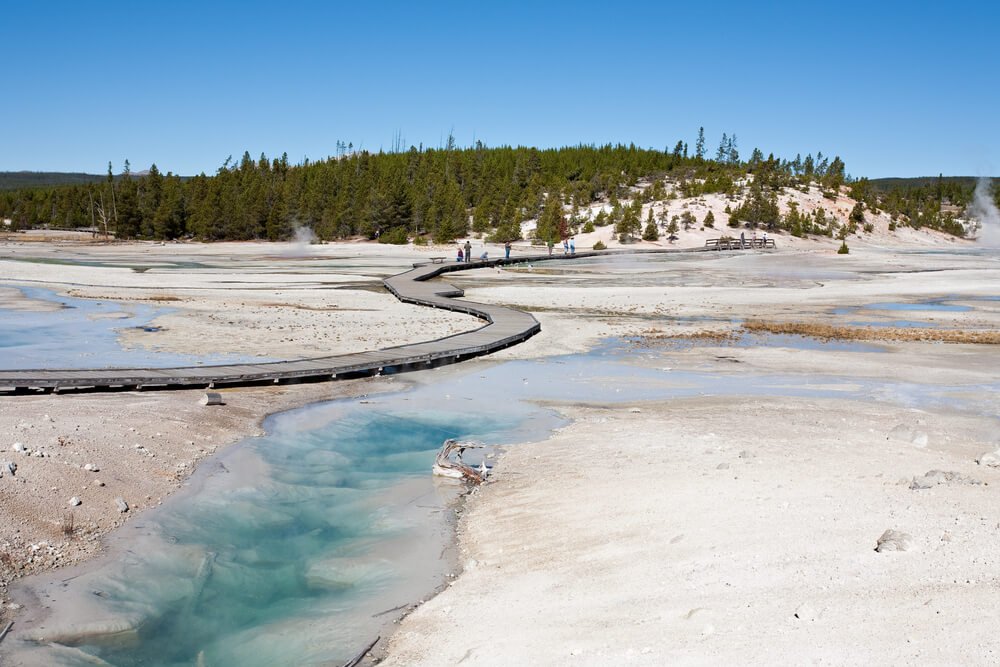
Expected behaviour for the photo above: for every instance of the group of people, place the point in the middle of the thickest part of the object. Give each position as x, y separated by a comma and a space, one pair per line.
569, 246
465, 252
753, 239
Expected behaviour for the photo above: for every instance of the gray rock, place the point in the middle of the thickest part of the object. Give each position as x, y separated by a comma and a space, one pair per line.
121, 505
894, 540
17, 447
722, 466
934, 477
74, 502
745, 454
91, 467
11, 467
991, 459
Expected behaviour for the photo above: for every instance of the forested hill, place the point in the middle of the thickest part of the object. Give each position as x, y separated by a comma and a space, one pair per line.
13, 180
441, 194
966, 182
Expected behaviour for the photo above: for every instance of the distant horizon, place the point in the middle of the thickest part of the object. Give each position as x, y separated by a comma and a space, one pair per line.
895, 90
145, 169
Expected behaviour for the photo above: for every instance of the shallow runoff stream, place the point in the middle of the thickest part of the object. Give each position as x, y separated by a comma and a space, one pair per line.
300, 547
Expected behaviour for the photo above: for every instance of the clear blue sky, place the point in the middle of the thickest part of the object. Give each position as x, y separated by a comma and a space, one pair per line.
894, 88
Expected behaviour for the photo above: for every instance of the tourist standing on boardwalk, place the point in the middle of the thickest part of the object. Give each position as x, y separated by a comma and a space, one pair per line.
549, 244
572, 245
506, 250
565, 247
468, 251
743, 240
461, 255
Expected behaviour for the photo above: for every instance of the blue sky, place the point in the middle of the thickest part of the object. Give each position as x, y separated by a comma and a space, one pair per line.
894, 88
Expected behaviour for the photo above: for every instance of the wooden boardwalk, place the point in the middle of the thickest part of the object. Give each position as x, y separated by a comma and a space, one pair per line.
504, 327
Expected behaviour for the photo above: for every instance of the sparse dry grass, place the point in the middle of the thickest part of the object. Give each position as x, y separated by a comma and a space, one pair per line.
830, 332
658, 337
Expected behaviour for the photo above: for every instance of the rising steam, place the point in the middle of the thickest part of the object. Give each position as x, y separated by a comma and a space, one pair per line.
302, 239
984, 211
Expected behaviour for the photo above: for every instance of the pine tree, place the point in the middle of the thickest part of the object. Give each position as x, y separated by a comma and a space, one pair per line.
551, 222
631, 222
651, 232
723, 152
699, 147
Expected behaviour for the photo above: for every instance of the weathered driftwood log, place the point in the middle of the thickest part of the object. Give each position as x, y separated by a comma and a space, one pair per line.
212, 398
444, 466
360, 656
6, 630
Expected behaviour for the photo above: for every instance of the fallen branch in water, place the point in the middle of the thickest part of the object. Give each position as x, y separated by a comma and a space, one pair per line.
360, 656
6, 630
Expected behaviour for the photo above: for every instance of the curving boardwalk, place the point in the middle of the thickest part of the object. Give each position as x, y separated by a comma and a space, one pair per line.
505, 327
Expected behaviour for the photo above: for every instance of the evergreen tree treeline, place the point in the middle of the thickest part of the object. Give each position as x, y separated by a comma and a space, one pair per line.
435, 193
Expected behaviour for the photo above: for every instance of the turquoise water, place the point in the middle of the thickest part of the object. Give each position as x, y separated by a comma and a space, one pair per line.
83, 333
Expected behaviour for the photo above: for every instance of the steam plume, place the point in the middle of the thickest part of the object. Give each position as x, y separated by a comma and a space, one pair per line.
302, 239
984, 211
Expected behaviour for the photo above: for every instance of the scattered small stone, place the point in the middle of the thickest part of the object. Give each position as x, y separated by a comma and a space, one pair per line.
745, 454
98, 482
893, 540
722, 466
11, 467
806, 612
91, 467
17, 447
74, 502
634, 410
121, 505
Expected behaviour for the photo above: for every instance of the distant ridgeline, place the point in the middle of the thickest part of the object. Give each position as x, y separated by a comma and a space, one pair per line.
15, 180
441, 194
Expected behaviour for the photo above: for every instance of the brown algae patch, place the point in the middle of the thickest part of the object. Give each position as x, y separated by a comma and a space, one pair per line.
910, 334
